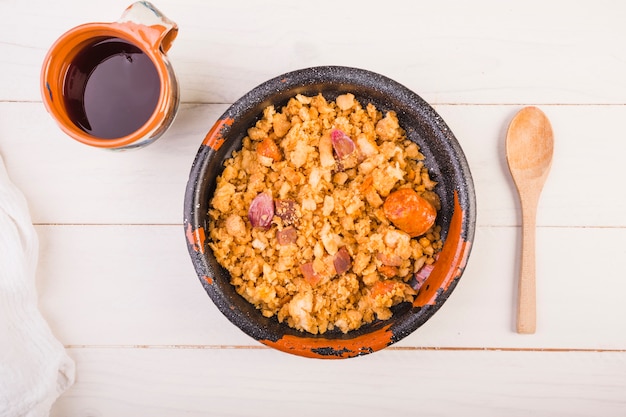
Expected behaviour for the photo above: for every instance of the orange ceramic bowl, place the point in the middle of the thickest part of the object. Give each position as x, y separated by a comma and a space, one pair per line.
444, 158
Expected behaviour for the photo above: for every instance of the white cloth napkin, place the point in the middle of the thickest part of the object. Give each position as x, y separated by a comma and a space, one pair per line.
34, 367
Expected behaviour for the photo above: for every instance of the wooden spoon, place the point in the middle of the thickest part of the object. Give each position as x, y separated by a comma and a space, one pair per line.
529, 149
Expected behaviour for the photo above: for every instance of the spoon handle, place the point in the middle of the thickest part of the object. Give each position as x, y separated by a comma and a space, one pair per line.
526, 307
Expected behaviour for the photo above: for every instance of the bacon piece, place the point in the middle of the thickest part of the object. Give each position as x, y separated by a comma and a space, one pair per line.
286, 210
309, 273
286, 236
421, 276
342, 260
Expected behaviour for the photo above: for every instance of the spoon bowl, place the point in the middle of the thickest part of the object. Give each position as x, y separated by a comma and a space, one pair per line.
529, 151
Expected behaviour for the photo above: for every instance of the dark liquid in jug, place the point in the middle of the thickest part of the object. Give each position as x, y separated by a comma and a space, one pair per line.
111, 88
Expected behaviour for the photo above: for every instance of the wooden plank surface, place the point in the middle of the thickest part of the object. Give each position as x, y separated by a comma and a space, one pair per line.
117, 286
134, 285
222, 382
69, 183
451, 51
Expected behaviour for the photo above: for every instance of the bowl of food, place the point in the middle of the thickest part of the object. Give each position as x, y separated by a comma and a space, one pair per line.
329, 212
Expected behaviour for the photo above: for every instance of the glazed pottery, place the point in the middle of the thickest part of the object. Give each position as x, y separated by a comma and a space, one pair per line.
142, 26
444, 158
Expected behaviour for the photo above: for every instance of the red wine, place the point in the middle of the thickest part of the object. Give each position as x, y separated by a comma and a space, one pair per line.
111, 88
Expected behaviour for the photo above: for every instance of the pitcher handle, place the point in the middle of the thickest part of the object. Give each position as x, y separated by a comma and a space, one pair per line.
152, 25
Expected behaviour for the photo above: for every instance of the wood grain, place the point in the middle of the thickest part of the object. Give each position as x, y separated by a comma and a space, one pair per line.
134, 285
66, 182
529, 152
117, 286
200, 382
484, 52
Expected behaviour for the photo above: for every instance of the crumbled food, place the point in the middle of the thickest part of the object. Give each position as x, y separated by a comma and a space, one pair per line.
325, 218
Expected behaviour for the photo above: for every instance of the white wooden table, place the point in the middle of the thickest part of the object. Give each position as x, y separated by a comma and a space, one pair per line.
117, 285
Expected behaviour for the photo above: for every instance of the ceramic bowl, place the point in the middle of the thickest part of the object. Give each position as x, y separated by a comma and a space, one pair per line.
444, 158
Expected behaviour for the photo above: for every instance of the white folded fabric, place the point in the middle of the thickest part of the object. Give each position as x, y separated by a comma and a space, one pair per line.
34, 367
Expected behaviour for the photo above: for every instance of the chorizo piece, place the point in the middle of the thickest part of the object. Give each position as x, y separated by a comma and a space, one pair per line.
409, 212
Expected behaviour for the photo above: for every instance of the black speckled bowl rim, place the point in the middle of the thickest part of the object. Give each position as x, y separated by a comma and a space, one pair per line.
444, 158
